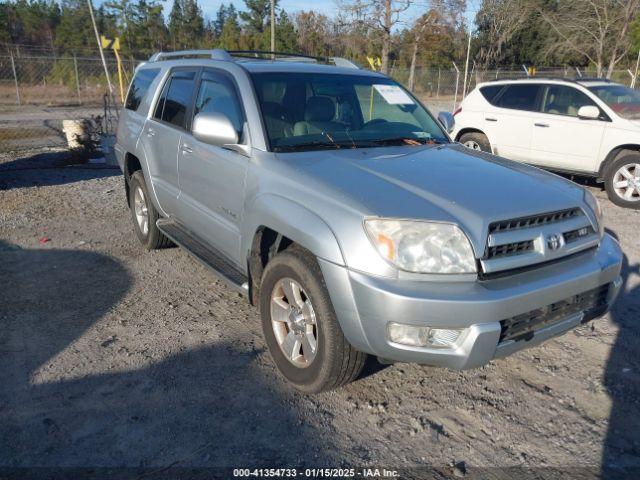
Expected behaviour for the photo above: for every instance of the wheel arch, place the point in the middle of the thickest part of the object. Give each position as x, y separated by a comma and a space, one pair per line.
274, 224
468, 130
613, 155
131, 165
134, 162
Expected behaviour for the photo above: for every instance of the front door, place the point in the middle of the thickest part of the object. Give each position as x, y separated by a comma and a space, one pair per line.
212, 179
561, 139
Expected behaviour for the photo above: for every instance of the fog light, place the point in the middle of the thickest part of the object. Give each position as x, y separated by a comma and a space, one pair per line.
422, 336
408, 334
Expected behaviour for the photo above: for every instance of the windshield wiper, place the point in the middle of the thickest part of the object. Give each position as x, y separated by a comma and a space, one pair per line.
408, 141
310, 146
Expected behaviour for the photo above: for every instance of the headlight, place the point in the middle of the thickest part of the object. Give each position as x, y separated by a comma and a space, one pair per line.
422, 247
594, 205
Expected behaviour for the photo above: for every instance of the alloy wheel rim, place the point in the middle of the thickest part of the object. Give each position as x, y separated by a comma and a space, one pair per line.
626, 182
472, 145
141, 211
293, 320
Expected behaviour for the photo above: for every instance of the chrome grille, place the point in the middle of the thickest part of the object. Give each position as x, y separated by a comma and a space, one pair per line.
522, 327
534, 220
509, 249
575, 235
525, 241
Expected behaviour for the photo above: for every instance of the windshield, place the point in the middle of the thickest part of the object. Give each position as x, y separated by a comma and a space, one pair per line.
622, 100
304, 111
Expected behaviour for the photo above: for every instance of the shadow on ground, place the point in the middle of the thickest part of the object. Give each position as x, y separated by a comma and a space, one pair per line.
621, 452
205, 407
50, 168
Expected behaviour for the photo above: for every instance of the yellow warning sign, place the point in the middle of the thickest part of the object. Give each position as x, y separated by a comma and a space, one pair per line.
110, 43
374, 62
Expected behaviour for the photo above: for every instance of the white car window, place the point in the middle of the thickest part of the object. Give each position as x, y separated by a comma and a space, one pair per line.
522, 96
563, 100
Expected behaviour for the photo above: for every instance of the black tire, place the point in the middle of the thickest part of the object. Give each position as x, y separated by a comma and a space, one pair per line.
610, 178
479, 139
336, 362
153, 238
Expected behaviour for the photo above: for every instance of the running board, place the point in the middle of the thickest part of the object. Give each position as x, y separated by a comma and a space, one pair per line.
207, 256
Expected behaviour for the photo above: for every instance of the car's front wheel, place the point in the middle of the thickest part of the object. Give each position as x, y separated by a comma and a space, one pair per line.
622, 181
476, 141
300, 326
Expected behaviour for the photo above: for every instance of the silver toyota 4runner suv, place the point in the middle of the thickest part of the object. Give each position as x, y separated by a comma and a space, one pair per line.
338, 204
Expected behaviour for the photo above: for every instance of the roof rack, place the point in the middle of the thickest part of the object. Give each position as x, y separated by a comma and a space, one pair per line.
235, 55
563, 79
215, 54
593, 79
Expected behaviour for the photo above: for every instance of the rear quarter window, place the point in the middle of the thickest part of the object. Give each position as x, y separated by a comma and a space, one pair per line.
520, 97
491, 92
139, 87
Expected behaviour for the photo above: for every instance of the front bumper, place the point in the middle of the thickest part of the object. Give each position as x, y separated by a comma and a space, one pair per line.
365, 305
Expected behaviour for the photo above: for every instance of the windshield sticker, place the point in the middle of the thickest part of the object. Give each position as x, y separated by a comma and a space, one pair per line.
394, 95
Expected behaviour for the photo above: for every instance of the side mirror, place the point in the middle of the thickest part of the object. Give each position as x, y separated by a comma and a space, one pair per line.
214, 129
589, 112
447, 121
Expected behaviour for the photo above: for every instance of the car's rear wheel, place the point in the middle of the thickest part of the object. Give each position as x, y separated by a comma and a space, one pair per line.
476, 141
300, 326
622, 181
145, 215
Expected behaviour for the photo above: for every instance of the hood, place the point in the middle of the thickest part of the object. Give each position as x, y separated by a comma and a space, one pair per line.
447, 183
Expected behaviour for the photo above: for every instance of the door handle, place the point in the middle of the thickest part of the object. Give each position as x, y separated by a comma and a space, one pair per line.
186, 149
491, 119
151, 132
543, 125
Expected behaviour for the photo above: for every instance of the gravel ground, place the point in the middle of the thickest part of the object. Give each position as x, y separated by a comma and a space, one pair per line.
111, 356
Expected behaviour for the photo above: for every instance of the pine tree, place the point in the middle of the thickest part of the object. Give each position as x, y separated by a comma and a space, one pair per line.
193, 24
230, 35
257, 15
286, 35
176, 23
218, 23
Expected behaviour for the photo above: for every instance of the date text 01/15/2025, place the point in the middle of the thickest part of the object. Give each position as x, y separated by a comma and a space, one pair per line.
315, 473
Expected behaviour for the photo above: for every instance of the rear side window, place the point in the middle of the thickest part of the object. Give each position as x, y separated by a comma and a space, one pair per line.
491, 92
520, 97
139, 87
176, 98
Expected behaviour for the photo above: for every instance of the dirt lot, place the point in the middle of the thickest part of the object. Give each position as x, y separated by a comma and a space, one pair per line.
111, 356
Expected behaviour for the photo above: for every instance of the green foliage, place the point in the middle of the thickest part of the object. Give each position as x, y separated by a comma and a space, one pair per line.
63, 73
143, 28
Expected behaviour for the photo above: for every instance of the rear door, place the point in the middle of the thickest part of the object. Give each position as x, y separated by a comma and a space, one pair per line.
561, 139
163, 133
509, 121
212, 179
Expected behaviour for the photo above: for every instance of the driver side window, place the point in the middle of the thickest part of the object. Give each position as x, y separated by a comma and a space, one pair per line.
217, 95
563, 100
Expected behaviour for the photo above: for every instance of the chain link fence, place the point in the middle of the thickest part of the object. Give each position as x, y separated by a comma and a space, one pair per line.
443, 89
38, 93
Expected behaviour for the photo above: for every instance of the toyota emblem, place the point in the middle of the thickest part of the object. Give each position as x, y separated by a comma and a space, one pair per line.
553, 241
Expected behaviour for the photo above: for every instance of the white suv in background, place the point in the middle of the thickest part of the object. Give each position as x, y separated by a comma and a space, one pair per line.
588, 127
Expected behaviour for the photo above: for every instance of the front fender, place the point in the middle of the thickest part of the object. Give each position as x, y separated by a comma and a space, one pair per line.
295, 222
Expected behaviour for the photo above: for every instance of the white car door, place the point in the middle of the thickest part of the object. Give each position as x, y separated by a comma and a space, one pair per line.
561, 139
508, 123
